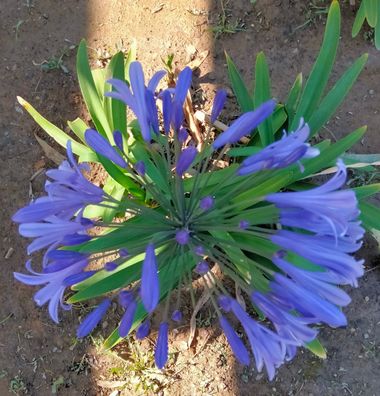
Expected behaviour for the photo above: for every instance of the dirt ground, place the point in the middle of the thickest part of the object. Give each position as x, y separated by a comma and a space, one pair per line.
40, 358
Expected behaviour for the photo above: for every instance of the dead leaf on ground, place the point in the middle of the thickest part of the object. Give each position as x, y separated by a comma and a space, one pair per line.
49, 151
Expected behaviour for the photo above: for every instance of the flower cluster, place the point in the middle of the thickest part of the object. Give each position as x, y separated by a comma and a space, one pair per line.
286, 251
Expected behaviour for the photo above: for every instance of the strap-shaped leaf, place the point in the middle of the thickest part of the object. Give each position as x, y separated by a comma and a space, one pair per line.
369, 215
359, 20
262, 93
366, 191
320, 73
238, 86
56, 133
93, 101
336, 95
293, 98
371, 8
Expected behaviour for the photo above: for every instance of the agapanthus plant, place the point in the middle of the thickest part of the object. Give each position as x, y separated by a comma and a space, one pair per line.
287, 252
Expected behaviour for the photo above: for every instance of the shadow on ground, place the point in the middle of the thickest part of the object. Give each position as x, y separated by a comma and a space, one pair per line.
34, 352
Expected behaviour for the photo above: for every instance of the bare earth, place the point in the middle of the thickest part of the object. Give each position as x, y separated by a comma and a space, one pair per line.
40, 358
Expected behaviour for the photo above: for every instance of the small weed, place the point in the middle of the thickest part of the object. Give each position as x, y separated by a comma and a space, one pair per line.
205, 319
116, 371
55, 63
3, 373
81, 366
57, 384
17, 28
369, 35
361, 177
224, 25
314, 14
17, 385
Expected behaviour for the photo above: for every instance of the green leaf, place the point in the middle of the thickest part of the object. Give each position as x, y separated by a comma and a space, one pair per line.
369, 215
293, 98
377, 30
238, 86
371, 10
116, 191
262, 93
56, 133
359, 20
317, 348
99, 76
366, 191
243, 151
116, 108
320, 73
131, 57
79, 127
335, 97
93, 100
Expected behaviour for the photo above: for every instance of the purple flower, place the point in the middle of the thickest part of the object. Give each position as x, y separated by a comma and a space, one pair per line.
185, 159
140, 168
243, 224
75, 239
123, 253
182, 135
161, 352
306, 302
110, 266
127, 319
102, 146
143, 330
313, 281
237, 346
206, 203
290, 149
166, 110
142, 100
245, 124
125, 298
324, 252
182, 237
93, 318
181, 89
217, 107
177, 316
224, 302
55, 285
202, 268
67, 193
118, 138
199, 250
290, 326
268, 348
150, 288
50, 232
336, 208
77, 278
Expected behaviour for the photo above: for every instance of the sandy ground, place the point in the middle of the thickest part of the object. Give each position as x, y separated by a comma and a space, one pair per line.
36, 354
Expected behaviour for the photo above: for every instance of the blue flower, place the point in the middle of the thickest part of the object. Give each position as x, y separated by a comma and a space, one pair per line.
182, 237
237, 345
127, 319
268, 348
177, 315
92, 319
67, 193
245, 124
103, 147
217, 107
150, 288
321, 284
202, 267
50, 232
55, 285
337, 208
324, 252
142, 100
161, 352
206, 203
118, 139
143, 330
140, 168
290, 149
185, 159
306, 302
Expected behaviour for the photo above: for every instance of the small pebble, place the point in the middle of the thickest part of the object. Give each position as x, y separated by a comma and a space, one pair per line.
366, 298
